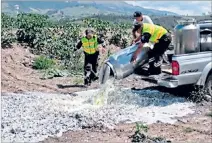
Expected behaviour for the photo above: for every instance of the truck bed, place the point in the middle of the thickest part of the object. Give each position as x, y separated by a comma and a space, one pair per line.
192, 67
166, 69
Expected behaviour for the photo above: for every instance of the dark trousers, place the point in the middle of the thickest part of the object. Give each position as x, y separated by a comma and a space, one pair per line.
156, 54
90, 67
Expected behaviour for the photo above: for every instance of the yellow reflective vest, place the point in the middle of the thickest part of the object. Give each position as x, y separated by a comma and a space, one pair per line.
156, 31
89, 45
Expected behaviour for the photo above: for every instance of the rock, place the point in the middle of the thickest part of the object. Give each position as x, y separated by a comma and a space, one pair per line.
13, 131
59, 133
104, 131
44, 114
2, 126
208, 98
77, 116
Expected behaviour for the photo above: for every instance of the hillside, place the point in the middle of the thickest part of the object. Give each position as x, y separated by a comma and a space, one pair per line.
77, 8
167, 21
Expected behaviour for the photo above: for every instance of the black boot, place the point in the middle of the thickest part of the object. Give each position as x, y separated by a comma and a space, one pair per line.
96, 78
87, 82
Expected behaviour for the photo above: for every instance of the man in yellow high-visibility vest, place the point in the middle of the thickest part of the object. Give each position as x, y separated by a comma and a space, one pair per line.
159, 37
90, 47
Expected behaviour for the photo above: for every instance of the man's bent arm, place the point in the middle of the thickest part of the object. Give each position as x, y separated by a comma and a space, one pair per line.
79, 45
145, 37
133, 33
137, 39
137, 52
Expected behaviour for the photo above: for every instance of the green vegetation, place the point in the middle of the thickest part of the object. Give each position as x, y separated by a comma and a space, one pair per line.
78, 80
43, 62
54, 72
209, 114
139, 137
57, 39
7, 37
49, 67
188, 130
140, 127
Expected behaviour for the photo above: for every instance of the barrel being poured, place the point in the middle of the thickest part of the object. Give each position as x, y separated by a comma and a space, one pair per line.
119, 66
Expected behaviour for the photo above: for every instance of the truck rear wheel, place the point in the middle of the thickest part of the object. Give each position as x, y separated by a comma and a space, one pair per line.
208, 85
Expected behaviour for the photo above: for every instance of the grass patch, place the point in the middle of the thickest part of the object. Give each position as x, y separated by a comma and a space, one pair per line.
160, 140
138, 136
143, 137
78, 80
188, 130
49, 68
141, 126
209, 114
43, 63
54, 72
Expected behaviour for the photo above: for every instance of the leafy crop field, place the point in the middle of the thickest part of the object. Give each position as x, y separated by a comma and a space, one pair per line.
55, 40
39, 42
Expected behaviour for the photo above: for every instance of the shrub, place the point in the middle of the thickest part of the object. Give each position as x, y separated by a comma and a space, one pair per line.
43, 62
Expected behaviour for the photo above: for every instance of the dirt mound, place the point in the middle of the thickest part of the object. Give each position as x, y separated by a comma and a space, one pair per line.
18, 75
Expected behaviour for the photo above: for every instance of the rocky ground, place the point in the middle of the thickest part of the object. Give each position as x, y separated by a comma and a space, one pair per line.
18, 77
192, 128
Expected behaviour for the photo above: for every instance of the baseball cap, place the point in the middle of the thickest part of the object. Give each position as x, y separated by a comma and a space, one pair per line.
137, 14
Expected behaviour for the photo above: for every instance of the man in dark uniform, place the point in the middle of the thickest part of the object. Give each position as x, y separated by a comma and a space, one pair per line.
90, 47
138, 18
159, 37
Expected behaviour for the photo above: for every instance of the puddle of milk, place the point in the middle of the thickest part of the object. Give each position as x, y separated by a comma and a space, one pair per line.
149, 105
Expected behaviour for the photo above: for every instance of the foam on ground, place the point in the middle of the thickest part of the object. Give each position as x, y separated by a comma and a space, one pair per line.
31, 117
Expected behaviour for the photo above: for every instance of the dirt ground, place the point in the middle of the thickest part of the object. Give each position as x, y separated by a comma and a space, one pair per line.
18, 76
195, 128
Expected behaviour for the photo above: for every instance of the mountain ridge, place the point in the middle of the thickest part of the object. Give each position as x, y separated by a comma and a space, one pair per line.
77, 8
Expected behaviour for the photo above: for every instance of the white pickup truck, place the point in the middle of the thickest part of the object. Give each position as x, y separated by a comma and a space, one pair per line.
189, 62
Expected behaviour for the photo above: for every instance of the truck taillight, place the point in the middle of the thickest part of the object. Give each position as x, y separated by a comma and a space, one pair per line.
175, 68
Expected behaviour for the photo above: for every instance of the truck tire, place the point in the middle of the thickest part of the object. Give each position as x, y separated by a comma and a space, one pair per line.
208, 85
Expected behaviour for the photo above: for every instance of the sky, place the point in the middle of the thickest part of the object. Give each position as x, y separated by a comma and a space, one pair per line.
180, 7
